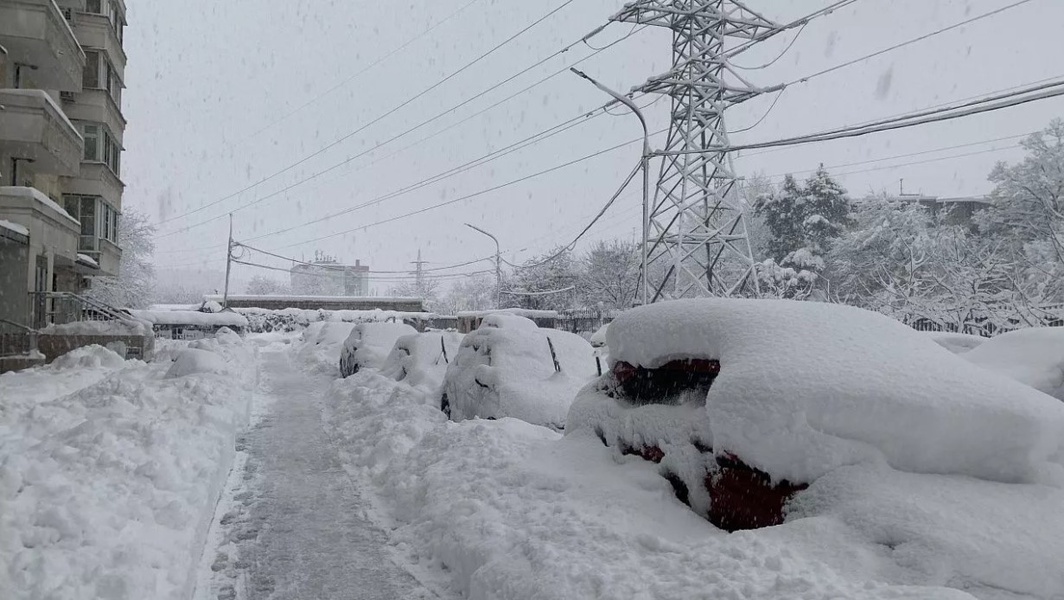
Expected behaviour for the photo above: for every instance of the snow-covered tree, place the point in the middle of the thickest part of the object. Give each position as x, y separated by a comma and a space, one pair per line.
609, 275
262, 285
803, 220
425, 288
546, 282
476, 292
134, 285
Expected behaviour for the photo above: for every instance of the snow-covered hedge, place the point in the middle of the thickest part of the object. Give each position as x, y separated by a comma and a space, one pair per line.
110, 470
805, 388
1034, 357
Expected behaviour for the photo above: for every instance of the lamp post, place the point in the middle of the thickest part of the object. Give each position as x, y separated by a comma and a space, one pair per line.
625, 100
498, 264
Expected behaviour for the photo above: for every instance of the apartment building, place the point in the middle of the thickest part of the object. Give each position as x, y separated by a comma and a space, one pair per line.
62, 69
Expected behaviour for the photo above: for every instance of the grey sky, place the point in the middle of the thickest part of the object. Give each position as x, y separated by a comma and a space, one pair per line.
205, 76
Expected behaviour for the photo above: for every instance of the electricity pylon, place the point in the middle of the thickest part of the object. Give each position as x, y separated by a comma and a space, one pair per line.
696, 237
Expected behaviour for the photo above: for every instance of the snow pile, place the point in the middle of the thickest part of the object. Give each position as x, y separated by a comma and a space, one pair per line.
89, 357
506, 369
421, 359
502, 509
806, 388
369, 344
957, 343
1034, 357
107, 492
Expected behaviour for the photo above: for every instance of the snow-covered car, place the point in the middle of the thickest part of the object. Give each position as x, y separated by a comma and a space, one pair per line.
957, 343
509, 367
369, 344
1034, 357
745, 403
421, 359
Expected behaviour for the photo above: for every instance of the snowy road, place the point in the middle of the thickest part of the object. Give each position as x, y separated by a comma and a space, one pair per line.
292, 524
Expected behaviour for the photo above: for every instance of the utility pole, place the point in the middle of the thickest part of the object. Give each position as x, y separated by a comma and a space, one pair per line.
696, 234
228, 263
498, 264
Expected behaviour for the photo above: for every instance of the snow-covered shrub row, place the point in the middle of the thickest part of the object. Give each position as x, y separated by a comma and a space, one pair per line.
504, 509
110, 470
262, 320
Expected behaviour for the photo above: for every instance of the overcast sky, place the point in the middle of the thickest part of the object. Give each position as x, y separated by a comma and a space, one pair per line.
212, 87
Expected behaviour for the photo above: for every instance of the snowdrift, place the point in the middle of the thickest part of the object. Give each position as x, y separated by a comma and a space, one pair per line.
805, 388
506, 369
1034, 357
109, 472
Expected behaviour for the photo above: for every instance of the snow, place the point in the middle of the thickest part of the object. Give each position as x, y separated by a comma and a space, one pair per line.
85, 258
503, 509
323, 343
421, 359
191, 318
505, 369
520, 312
806, 388
1034, 357
34, 193
369, 344
598, 339
109, 473
92, 328
296, 298
194, 361
957, 343
19, 229
89, 357
261, 319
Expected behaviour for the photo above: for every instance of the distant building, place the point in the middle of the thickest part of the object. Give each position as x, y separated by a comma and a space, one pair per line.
957, 210
325, 276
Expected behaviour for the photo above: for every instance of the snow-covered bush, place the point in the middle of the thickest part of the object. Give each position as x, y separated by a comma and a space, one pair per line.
509, 367
369, 344
1034, 357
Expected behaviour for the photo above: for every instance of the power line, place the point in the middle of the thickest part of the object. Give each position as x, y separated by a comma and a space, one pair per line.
362, 71
342, 267
908, 42
390, 112
328, 276
478, 193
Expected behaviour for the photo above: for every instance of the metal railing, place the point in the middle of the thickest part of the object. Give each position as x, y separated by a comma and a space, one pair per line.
59, 308
17, 339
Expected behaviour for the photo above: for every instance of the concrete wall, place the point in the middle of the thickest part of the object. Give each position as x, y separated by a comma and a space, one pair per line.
54, 346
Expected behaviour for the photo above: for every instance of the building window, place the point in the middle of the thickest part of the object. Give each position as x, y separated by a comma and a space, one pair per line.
114, 85
91, 76
94, 6
91, 133
99, 220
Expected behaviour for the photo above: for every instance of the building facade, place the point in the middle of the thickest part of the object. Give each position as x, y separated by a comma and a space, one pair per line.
62, 69
325, 276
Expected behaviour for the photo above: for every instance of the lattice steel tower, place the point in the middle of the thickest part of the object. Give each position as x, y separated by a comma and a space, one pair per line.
697, 240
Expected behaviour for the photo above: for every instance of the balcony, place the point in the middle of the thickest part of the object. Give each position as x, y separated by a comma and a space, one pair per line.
96, 31
51, 228
99, 107
96, 179
35, 34
32, 126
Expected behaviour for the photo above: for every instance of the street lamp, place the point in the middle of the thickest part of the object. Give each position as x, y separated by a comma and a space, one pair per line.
625, 100
498, 264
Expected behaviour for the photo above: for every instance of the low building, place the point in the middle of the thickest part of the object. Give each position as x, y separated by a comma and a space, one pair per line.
953, 210
325, 276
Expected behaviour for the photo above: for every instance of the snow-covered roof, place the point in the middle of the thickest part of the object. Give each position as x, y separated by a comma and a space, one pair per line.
88, 260
191, 317
19, 229
807, 387
521, 312
39, 196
